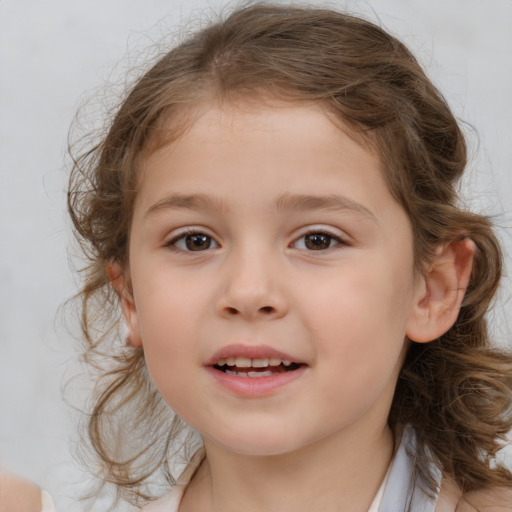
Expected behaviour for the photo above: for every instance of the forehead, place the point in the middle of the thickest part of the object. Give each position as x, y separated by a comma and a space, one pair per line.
244, 148
214, 108
244, 122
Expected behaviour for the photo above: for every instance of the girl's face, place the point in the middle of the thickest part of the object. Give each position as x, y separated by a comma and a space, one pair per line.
271, 279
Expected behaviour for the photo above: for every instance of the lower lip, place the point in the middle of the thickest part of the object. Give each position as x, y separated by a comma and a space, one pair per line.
256, 386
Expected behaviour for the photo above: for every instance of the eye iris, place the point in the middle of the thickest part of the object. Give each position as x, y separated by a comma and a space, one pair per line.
198, 242
317, 241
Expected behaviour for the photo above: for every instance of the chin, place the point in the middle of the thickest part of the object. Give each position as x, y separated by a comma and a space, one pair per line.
258, 443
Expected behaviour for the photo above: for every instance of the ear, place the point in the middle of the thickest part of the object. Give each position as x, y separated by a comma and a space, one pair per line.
441, 291
120, 280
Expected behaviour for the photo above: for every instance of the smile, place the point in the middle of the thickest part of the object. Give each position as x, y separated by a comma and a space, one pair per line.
254, 368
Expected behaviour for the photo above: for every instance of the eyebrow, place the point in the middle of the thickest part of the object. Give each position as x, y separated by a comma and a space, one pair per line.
284, 202
187, 201
328, 202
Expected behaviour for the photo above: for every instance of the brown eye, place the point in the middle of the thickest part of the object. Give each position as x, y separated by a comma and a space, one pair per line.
317, 241
193, 242
198, 242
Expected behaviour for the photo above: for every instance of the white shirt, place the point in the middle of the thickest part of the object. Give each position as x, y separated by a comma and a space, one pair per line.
47, 501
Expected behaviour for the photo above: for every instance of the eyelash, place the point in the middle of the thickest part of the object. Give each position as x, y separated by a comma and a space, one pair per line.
173, 243
331, 236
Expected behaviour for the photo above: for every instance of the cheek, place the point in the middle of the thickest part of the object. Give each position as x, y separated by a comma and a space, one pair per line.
359, 300
169, 305
359, 322
360, 357
365, 342
170, 324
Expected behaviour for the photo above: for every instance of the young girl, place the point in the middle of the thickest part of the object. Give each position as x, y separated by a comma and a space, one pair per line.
273, 209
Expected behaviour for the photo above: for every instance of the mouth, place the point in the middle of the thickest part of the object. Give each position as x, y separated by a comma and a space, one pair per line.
256, 367
255, 371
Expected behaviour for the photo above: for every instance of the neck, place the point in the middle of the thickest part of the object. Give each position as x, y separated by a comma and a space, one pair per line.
340, 471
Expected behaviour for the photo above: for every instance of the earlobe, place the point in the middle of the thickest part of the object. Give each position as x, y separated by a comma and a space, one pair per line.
119, 278
441, 291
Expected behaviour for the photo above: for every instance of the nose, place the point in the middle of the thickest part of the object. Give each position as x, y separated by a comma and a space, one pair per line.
251, 289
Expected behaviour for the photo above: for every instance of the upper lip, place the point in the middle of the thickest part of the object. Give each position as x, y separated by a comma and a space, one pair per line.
251, 352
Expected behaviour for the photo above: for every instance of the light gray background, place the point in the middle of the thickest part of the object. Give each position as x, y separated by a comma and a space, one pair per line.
54, 51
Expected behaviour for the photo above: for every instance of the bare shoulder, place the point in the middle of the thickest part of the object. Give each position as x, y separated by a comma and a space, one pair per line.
18, 494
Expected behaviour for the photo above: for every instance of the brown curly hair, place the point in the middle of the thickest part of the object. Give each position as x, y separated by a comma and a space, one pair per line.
456, 390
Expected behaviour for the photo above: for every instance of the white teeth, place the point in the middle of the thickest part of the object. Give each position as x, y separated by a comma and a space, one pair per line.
245, 362
260, 363
242, 362
249, 374
260, 374
237, 374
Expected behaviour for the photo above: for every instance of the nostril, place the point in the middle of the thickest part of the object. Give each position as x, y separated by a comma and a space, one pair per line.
263, 311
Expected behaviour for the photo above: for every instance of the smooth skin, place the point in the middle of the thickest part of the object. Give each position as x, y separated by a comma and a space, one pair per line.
298, 245
18, 494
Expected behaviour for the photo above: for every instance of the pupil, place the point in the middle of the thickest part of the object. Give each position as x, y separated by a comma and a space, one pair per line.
316, 241
197, 242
